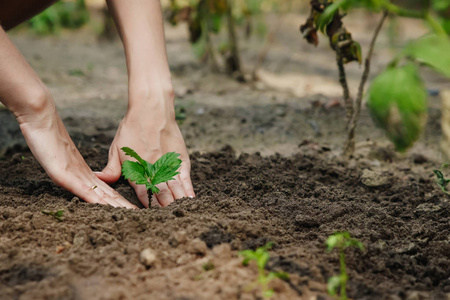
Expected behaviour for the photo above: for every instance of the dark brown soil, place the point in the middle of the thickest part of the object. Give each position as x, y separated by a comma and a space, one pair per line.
242, 203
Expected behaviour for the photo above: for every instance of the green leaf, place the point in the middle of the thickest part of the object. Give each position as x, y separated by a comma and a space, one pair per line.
153, 188
353, 243
440, 5
135, 172
165, 168
398, 104
55, 214
333, 241
327, 16
268, 293
263, 258
432, 50
333, 285
133, 154
281, 275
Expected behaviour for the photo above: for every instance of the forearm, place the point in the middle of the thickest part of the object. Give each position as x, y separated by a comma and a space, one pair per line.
140, 25
21, 90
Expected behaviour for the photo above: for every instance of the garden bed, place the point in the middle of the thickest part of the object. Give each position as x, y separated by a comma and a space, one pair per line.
242, 202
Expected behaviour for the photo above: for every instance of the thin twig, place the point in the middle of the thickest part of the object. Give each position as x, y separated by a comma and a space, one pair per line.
350, 143
233, 42
343, 81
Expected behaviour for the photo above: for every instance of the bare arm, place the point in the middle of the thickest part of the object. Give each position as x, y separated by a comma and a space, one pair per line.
149, 125
24, 94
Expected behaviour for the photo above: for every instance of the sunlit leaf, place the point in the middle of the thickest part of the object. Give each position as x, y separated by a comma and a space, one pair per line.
432, 50
398, 104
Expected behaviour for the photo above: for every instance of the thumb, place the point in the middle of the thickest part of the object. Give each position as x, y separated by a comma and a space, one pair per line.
111, 173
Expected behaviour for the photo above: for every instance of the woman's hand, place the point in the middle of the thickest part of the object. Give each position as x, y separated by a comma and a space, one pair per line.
151, 130
24, 94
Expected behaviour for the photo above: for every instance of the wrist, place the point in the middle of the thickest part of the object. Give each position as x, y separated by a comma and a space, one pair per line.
33, 105
152, 102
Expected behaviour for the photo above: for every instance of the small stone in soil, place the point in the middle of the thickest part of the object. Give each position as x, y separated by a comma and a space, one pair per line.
373, 179
197, 246
148, 257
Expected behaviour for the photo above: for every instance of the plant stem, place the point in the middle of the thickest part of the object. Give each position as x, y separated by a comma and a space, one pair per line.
344, 276
206, 25
349, 148
343, 81
232, 39
435, 25
392, 8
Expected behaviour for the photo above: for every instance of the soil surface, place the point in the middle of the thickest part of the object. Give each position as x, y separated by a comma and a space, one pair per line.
242, 203
267, 166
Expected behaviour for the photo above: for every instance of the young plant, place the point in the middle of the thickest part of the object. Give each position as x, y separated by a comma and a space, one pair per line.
261, 256
341, 241
55, 214
441, 180
145, 173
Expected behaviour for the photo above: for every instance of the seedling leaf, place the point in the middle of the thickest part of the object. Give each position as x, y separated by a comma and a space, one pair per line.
333, 284
261, 256
441, 180
55, 214
135, 172
165, 168
145, 173
133, 154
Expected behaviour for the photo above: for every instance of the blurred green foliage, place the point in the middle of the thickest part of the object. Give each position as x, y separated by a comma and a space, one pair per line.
62, 14
398, 104
397, 98
208, 16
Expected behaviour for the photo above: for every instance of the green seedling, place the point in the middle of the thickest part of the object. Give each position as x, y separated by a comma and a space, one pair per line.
341, 241
55, 214
441, 180
261, 256
145, 173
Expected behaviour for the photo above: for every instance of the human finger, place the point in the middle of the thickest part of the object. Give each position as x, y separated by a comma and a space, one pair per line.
176, 187
155, 201
164, 196
141, 193
112, 196
111, 173
185, 179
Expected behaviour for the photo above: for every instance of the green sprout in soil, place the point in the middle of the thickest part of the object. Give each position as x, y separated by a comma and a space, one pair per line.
441, 180
55, 214
341, 241
145, 173
261, 256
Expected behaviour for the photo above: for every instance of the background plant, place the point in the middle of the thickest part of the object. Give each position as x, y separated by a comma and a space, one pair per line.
441, 180
57, 215
208, 18
261, 256
340, 241
62, 14
397, 97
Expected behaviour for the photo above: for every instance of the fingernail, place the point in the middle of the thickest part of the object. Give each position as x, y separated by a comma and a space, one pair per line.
191, 197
